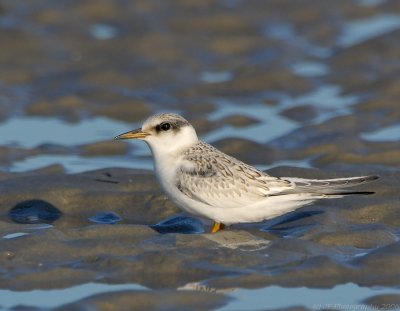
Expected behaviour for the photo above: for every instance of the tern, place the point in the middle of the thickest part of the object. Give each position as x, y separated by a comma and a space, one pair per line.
206, 182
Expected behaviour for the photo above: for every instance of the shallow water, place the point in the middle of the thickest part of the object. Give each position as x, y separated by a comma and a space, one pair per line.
31, 132
348, 296
391, 133
270, 125
340, 297
310, 69
76, 164
362, 30
57, 297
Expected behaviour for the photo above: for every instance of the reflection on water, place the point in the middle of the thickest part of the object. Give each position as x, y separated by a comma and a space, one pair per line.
310, 69
14, 235
355, 32
271, 297
216, 76
76, 164
33, 228
276, 297
271, 124
327, 99
30, 132
103, 31
286, 32
58, 297
371, 2
391, 133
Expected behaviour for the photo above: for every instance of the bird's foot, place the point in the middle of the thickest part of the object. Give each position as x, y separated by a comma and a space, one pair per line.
218, 226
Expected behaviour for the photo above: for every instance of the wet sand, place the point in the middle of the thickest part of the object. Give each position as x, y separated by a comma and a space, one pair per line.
278, 84
332, 242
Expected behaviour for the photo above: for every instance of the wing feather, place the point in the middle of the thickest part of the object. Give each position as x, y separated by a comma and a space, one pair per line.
210, 176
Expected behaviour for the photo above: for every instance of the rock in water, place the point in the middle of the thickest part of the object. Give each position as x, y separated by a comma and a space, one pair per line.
179, 224
33, 212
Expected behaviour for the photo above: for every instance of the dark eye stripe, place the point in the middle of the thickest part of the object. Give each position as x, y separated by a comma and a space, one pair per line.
174, 125
165, 126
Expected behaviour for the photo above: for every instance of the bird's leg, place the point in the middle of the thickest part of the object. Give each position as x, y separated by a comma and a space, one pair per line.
218, 226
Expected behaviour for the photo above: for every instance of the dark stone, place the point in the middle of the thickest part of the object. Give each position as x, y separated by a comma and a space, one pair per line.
179, 224
33, 212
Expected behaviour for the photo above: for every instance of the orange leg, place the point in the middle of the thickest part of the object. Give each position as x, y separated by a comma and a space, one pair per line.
218, 226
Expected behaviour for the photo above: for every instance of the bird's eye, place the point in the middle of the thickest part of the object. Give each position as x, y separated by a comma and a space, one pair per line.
165, 126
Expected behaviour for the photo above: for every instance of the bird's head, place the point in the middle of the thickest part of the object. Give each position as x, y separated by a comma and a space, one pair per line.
165, 132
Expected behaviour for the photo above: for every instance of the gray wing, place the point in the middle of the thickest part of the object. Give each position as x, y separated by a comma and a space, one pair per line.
210, 176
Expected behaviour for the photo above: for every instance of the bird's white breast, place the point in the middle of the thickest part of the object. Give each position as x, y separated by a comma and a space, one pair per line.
166, 168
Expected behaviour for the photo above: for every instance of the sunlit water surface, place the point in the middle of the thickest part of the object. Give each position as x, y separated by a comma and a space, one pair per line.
271, 297
271, 124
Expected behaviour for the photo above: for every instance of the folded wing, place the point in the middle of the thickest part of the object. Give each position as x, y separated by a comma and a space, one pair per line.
209, 176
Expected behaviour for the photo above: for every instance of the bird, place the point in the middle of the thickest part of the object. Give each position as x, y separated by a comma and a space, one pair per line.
204, 181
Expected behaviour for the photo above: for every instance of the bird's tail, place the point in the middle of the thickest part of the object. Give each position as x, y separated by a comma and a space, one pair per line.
331, 187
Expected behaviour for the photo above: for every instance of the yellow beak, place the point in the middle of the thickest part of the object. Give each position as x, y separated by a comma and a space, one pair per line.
135, 134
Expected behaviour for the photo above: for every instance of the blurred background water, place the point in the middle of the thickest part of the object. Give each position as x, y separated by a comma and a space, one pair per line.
75, 74
312, 84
